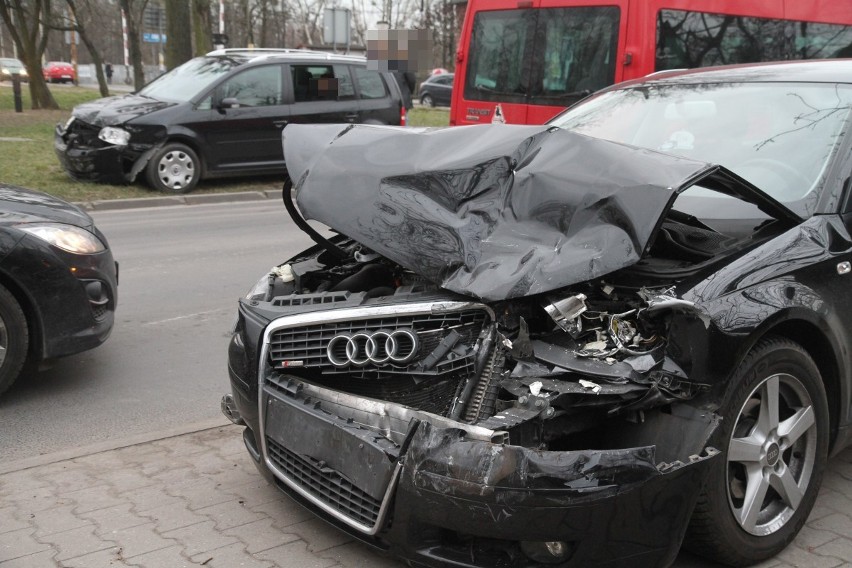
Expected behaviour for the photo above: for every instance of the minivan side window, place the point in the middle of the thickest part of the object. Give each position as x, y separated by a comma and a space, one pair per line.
259, 86
697, 39
370, 83
345, 86
320, 82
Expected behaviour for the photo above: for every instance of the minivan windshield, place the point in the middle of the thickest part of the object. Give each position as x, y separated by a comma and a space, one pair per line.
778, 136
183, 83
12, 64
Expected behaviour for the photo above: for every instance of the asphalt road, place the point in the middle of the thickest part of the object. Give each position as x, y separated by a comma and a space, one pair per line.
181, 271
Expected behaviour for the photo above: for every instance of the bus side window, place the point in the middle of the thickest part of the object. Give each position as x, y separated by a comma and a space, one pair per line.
697, 39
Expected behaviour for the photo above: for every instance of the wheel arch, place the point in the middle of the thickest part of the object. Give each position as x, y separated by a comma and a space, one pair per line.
35, 349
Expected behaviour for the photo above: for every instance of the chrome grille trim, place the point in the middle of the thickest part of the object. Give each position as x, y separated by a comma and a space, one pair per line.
332, 489
305, 339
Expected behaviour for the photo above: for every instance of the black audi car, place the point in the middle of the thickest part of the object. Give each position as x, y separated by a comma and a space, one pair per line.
577, 344
58, 281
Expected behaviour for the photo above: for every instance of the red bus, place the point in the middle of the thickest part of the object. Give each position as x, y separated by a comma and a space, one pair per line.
533, 58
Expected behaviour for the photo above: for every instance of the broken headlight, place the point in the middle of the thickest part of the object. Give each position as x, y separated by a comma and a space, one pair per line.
112, 135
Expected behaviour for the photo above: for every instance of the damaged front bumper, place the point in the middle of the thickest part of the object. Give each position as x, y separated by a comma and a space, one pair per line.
446, 493
85, 158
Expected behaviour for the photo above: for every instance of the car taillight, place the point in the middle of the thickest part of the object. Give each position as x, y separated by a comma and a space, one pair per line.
402, 116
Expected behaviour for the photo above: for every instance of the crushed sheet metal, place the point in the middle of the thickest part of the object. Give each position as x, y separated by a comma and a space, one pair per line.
495, 212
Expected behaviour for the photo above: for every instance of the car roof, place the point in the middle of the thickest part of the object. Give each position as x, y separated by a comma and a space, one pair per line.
811, 71
263, 54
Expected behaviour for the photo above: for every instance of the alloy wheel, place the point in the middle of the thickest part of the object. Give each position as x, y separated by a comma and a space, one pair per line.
771, 454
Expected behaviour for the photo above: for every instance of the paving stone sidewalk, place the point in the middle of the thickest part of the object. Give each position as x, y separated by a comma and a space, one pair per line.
196, 500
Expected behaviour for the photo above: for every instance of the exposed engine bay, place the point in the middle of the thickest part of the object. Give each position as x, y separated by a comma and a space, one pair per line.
574, 358
560, 369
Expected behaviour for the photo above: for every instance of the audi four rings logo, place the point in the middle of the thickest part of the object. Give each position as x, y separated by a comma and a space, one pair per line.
380, 347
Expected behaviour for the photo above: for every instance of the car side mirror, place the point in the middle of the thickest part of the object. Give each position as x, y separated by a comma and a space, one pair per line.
229, 102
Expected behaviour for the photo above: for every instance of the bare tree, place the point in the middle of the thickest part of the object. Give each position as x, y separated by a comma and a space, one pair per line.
133, 10
74, 23
179, 44
24, 20
306, 17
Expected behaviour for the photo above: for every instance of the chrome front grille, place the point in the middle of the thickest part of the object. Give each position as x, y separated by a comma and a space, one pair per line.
325, 486
306, 345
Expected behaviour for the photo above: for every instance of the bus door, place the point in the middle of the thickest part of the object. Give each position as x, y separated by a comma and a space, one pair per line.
524, 61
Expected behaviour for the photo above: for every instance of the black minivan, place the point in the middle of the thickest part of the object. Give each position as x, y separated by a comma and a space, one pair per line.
221, 115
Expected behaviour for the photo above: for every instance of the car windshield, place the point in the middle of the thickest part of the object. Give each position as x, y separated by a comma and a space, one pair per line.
190, 79
778, 136
11, 64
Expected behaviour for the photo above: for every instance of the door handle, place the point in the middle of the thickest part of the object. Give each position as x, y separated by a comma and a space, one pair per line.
280, 123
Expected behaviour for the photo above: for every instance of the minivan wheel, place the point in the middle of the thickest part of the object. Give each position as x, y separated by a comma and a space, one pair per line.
426, 100
14, 339
175, 168
774, 443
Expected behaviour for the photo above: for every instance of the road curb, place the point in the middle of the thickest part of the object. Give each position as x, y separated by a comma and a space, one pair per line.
173, 200
109, 445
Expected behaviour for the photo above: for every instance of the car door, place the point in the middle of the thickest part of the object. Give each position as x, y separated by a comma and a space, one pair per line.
377, 105
249, 111
322, 93
443, 89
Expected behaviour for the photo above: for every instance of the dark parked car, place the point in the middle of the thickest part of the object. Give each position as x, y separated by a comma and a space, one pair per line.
437, 90
221, 115
59, 72
58, 281
582, 343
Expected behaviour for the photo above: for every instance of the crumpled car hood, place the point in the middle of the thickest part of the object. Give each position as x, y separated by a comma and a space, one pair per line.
495, 211
117, 110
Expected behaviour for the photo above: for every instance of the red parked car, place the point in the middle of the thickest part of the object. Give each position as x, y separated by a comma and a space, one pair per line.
59, 72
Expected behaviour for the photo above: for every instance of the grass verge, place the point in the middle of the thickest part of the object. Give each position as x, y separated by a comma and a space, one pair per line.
27, 157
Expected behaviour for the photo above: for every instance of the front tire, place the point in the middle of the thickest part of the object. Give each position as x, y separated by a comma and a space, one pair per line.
14, 339
175, 168
775, 442
426, 100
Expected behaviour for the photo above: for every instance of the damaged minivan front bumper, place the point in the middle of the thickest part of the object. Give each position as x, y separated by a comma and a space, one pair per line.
411, 480
86, 157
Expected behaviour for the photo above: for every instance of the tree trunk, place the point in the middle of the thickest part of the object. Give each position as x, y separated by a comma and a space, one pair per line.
179, 42
93, 51
133, 43
202, 26
23, 20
